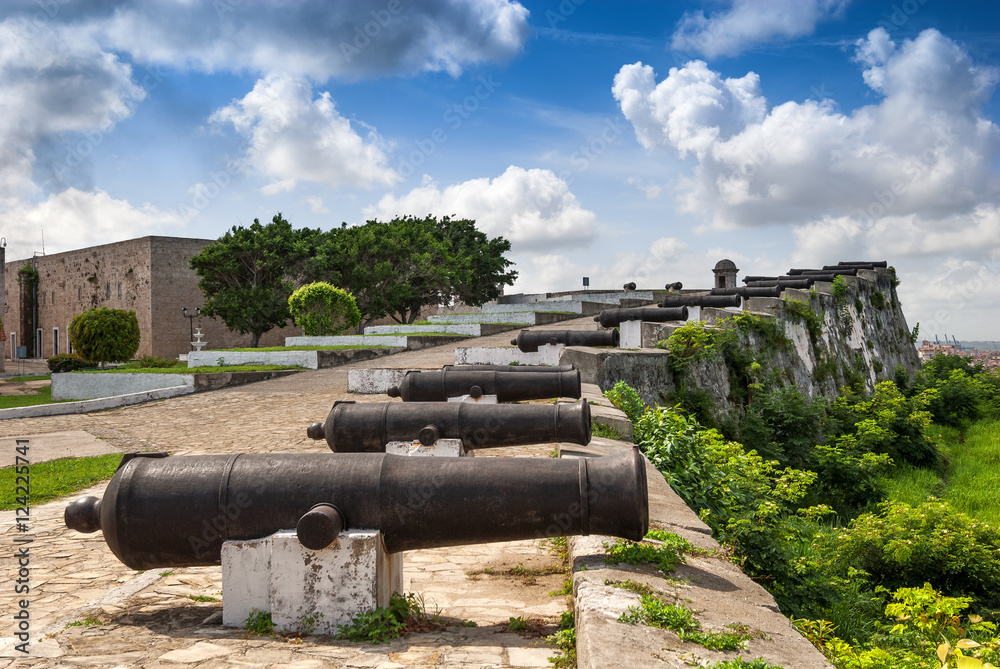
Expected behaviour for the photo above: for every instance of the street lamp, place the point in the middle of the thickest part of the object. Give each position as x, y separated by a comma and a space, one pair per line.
191, 317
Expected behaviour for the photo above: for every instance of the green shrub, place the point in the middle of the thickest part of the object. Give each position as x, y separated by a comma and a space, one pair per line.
900, 545
321, 309
625, 398
105, 335
152, 362
67, 362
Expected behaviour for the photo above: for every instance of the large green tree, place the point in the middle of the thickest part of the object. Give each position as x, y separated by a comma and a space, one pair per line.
397, 268
248, 274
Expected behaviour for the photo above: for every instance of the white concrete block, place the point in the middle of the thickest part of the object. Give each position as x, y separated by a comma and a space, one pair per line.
374, 381
630, 334
443, 448
324, 589
85, 386
494, 355
246, 569
306, 359
482, 399
548, 354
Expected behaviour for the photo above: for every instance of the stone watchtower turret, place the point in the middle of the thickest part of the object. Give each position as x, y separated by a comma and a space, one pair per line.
725, 273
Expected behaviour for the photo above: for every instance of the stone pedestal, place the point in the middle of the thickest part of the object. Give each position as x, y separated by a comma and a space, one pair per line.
482, 399
304, 590
548, 354
631, 334
442, 448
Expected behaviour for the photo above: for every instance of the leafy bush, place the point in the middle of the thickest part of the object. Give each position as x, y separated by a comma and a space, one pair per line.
67, 362
900, 545
105, 335
152, 362
321, 309
625, 398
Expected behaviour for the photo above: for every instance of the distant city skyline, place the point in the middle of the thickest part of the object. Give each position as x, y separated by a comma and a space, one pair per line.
639, 142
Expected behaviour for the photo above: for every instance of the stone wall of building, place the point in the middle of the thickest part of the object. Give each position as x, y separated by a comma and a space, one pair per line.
151, 276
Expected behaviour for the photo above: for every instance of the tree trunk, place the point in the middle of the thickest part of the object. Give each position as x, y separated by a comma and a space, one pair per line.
254, 339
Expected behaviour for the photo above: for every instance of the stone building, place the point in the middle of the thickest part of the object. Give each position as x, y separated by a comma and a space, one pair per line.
150, 275
725, 274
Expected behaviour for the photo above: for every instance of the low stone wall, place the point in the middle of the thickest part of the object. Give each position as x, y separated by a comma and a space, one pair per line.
84, 386
712, 586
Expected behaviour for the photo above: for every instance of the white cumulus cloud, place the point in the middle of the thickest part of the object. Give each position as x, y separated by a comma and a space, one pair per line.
534, 209
924, 148
750, 22
295, 137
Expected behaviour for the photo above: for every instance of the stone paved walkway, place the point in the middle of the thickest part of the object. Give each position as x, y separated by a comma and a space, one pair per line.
161, 624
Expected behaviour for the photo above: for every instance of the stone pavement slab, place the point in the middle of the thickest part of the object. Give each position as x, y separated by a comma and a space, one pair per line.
54, 445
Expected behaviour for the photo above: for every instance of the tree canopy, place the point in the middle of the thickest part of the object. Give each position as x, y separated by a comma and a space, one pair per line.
105, 335
393, 269
249, 273
397, 268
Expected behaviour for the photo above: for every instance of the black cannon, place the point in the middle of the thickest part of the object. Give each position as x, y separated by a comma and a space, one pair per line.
702, 300
508, 368
177, 511
629, 286
830, 273
864, 264
802, 281
610, 318
367, 427
746, 292
753, 277
438, 386
528, 341
675, 287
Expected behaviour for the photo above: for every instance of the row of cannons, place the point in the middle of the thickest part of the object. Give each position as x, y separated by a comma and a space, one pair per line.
298, 534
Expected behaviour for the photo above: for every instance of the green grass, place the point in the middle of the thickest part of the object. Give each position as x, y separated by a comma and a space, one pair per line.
182, 368
974, 473
22, 379
56, 478
43, 396
913, 485
298, 348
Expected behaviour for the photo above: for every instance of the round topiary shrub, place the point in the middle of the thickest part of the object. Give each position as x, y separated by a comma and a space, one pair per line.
321, 309
105, 335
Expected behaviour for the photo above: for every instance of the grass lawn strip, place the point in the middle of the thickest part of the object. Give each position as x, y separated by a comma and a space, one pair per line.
56, 478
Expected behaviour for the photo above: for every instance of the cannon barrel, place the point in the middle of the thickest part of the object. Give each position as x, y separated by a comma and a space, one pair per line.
438, 386
786, 282
754, 277
178, 511
629, 286
836, 271
703, 300
609, 318
746, 292
676, 286
528, 341
367, 427
508, 368
866, 264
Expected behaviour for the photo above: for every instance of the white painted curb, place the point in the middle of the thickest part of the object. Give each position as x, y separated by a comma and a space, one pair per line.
86, 406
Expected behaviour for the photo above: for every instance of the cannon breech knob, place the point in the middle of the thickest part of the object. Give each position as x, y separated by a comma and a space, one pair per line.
84, 515
393, 391
475, 392
319, 526
315, 431
429, 435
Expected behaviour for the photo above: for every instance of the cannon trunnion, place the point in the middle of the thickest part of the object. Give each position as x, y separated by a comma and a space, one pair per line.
367, 427
178, 511
438, 386
528, 341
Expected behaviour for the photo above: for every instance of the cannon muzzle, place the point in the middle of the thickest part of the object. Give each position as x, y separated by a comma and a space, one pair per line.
528, 341
367, 427
629, 286
438, 386
610, 318
676, 286
178, 511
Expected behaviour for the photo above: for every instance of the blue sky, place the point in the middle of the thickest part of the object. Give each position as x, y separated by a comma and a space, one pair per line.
637, 141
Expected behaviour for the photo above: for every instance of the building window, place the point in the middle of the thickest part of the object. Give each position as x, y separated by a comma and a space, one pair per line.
38, 343
53, 298
79, 293
13, 345
107, 291
119, 290
43, 299
69, 342
55, 341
